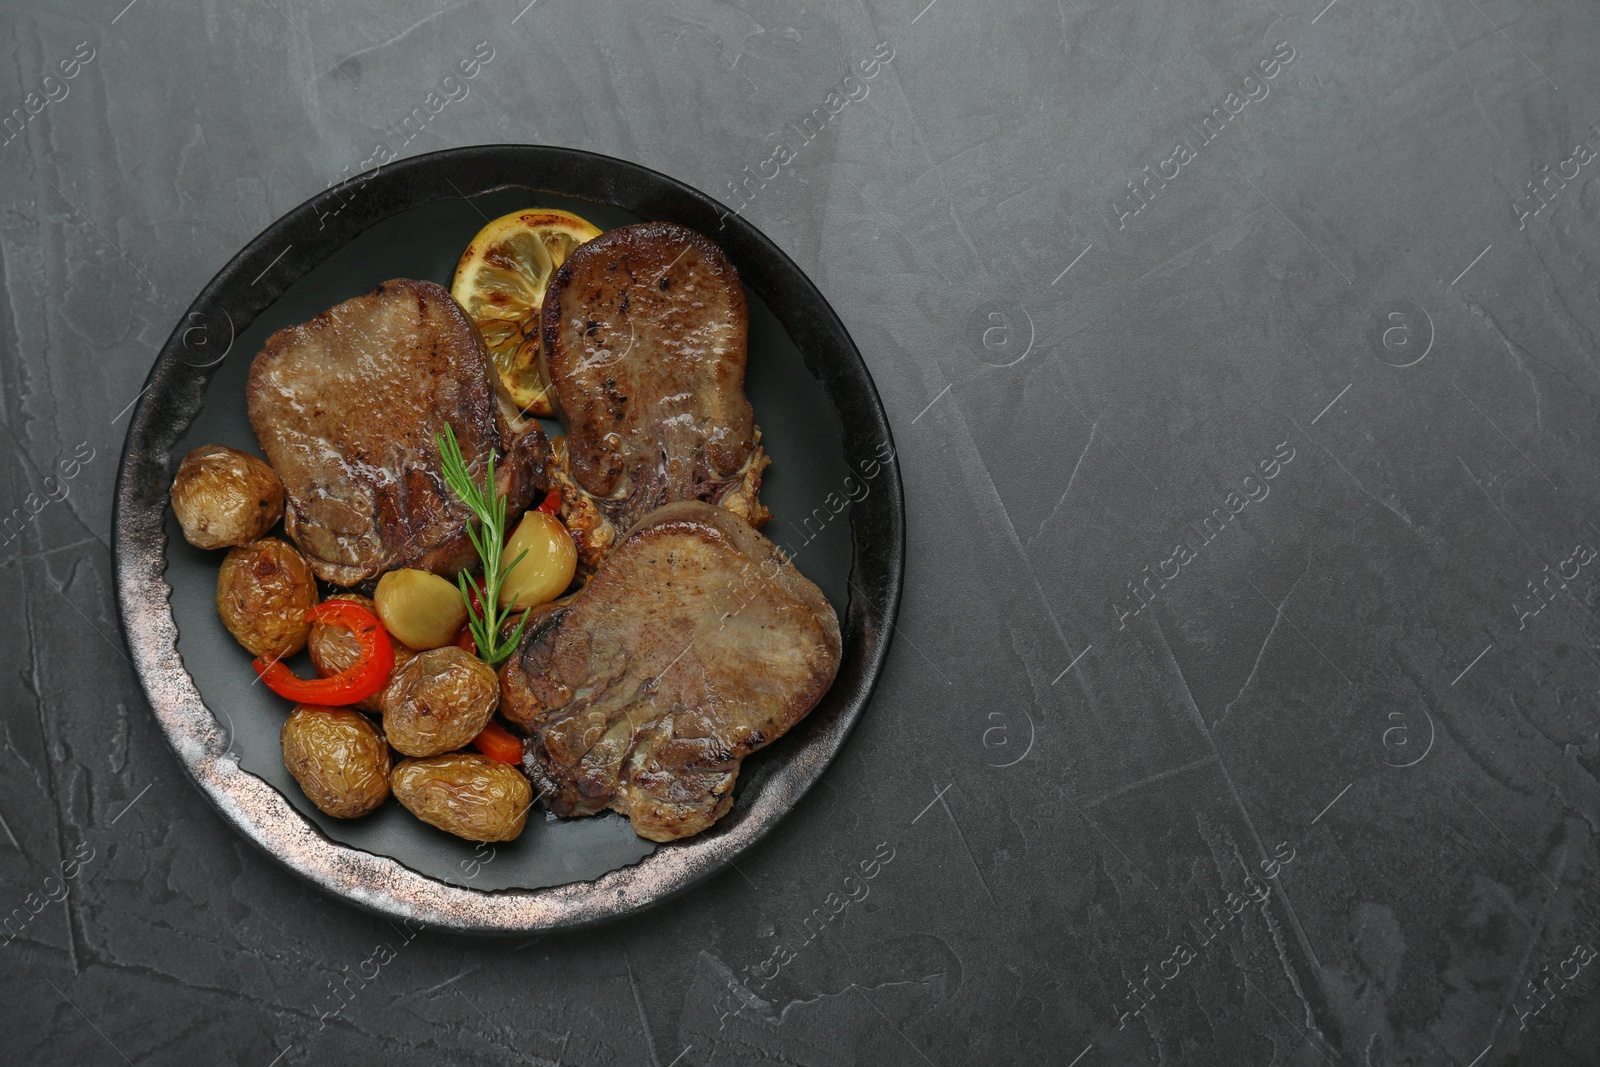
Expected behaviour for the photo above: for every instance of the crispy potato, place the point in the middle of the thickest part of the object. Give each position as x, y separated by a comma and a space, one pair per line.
335, 648
224, 497
264, 590
420, 608
339, 758
465, 794
439, 701
547, 568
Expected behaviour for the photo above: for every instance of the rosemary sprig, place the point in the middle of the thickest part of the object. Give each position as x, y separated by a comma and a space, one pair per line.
488, 536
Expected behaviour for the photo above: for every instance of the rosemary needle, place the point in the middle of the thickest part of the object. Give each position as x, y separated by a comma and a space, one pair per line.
488, 535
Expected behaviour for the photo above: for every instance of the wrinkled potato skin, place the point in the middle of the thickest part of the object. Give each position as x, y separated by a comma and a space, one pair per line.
264, 590
335, 648
224, 497
339, 758
440, 700
465, 794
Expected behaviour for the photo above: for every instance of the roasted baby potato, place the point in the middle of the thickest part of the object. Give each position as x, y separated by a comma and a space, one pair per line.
419, 608
465, 794
264, 590
224, 497
338, 757
439, 701
335, 648
549, 559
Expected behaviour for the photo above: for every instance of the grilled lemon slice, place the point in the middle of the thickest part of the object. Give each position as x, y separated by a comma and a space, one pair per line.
501, 280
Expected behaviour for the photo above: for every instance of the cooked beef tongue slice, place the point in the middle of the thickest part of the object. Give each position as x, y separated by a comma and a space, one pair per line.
347, 406
645, 331
696, 643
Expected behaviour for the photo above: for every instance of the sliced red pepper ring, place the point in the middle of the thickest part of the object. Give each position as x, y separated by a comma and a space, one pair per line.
551, 502
364, 678
499, 744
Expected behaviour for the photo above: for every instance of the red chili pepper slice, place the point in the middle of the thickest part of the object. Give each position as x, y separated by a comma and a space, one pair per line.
466, 642
552, 501
499, 744
364, 678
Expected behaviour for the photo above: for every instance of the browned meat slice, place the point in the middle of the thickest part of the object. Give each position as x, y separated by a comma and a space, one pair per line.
645, 329
347, 406
696, 643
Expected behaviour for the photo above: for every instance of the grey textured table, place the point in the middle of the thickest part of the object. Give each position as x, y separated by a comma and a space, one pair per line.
1242, 362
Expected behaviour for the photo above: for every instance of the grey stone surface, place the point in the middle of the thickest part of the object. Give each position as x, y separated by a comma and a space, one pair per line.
1344, 696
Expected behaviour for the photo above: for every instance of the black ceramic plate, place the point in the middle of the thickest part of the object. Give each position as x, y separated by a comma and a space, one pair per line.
833, 487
